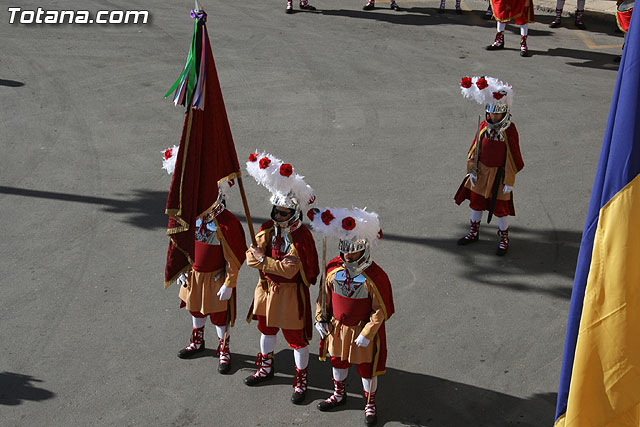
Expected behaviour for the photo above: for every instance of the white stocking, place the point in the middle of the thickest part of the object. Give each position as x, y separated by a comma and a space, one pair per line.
502, 26
560, 4
221, 330
476, 216
340, 374
524, 29
370, 384
503, 223
580, 5
301, 356
199, 322
267, 343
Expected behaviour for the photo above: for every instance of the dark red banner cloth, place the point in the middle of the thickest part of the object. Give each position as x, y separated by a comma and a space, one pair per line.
206, 155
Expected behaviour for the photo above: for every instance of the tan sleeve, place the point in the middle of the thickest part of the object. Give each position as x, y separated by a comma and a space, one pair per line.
232, 268
377, 316
327, 297
261, 240
279, 268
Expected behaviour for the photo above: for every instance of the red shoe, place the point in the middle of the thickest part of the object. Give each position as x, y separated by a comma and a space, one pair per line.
196, 344
498, 43
338, 398
503, 245
524, 50
265, 370
224, 362
472, 236
299, 386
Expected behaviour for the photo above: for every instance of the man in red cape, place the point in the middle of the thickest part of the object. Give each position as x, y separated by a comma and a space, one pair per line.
285, 254
493, 164
353, 306
521, 11
209, 289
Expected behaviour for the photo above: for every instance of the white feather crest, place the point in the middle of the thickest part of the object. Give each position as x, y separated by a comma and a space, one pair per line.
225, 187
496, 92
169, 159
331, 223
266, 170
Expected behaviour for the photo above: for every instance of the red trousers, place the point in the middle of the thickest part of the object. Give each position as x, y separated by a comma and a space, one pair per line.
364, 369
218, 319
295, 337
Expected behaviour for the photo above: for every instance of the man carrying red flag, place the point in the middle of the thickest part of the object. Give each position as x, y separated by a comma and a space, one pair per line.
205, 159
493, 160
357, 300
208, 290
285, 255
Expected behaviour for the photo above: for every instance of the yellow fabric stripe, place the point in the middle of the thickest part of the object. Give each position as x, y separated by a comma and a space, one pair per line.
375, 291
560, 421
605, 382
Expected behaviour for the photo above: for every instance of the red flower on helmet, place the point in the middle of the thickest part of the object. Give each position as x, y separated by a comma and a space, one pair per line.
482, 83
348, 223
264, 162
167, 153
380, 234
466, 82
311, 214
498, 95
327, 217
286, 169
253, 157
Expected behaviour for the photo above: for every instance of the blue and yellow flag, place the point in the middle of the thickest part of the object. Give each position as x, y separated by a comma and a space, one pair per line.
600, 378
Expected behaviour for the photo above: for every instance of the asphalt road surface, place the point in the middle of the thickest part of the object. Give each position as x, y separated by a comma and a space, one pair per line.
367, 106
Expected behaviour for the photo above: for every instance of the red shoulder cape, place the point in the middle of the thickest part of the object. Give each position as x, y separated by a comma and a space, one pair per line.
233, 239
233, 234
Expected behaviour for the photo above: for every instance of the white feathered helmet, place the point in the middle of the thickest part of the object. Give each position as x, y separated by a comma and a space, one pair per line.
496, 96
356, 228
287, 188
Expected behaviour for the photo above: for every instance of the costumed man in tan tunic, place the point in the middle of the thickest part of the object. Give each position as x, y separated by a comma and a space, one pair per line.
209, 288
353, 305
492, 164
285, 255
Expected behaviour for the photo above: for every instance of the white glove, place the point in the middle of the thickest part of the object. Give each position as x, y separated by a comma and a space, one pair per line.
224, 293
362, 341
507, 189
472, 178
323, 329
182, 279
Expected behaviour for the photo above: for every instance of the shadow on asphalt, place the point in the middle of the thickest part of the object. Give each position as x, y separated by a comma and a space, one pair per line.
531, 253
411, 398
589, 58
143, 208
11, 83
16, 388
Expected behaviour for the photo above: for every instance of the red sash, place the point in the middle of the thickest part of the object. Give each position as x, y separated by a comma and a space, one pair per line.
208, 258
350, 311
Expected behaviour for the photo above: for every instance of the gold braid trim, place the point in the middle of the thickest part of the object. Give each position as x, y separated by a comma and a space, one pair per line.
300, 268
375, 291
376, 357
226, 244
